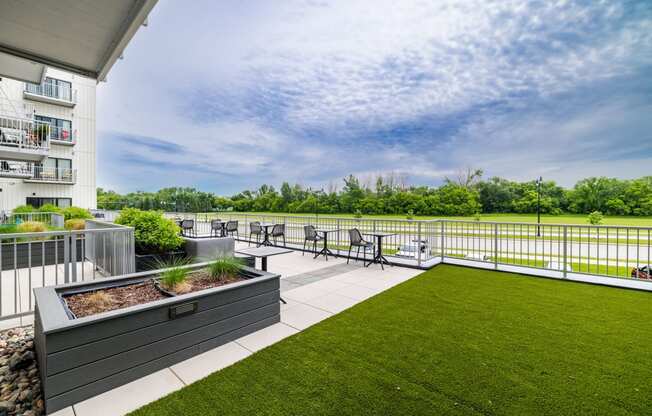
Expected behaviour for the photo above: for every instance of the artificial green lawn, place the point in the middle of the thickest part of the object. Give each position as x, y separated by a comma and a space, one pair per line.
451, 341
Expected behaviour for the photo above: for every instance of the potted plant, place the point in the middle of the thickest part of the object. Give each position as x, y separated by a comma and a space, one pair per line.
94, 336
156, 238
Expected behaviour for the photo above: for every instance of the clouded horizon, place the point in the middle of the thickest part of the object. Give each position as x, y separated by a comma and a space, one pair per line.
225, 96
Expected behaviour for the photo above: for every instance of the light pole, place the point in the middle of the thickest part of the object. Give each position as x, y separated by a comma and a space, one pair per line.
539, 206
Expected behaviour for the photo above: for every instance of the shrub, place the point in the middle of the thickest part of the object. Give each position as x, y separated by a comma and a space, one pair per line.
70, 213
99, 300
49, 208
23, 208
410, 214
152, 232
357, 214
477, 217
31, 227
224, 267
75, 224
595, 218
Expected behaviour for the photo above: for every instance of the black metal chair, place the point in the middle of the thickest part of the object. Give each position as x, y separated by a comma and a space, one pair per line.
255, 230
217, 228
188, 228
359, 242
232, 228
278, 230
310, 235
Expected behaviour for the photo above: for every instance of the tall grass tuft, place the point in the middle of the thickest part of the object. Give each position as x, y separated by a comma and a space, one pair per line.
224, 267
174, 276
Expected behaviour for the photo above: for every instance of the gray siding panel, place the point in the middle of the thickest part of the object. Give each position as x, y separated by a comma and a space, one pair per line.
106, 367
87, 353
89, 390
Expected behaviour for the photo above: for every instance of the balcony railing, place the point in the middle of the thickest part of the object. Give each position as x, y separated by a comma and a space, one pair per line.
63, 134
52, 91
43, 174
15, 170
21, 133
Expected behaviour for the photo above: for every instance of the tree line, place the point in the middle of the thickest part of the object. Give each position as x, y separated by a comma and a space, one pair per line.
466, 195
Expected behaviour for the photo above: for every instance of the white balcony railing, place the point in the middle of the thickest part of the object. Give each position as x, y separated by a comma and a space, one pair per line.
15, 170
52, 91
19, 133
63, 134
43, 174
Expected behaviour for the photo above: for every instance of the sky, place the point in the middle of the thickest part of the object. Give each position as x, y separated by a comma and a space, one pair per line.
227, 95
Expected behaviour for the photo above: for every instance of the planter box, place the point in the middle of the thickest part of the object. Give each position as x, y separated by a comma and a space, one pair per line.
207, 249
41, 253
80, 358
146, 262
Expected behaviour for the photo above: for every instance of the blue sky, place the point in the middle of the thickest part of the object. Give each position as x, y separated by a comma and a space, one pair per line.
225, 96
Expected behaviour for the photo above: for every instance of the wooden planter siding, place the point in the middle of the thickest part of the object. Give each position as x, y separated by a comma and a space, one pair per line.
80, 358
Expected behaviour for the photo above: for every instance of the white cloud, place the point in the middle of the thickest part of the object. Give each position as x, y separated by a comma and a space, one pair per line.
307, 90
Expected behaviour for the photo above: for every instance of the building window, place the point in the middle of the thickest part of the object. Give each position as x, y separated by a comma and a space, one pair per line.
38, 202
59, 129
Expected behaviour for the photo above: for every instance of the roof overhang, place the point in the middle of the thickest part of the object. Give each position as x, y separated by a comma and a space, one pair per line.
84, 38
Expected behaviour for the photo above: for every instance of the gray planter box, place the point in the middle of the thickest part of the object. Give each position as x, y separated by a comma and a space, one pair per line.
36, 253
80, 358
209, 248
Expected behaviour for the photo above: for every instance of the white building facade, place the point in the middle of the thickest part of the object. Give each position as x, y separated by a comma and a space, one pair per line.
48, 141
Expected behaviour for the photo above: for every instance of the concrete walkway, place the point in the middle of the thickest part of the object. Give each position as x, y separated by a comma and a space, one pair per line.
314, 289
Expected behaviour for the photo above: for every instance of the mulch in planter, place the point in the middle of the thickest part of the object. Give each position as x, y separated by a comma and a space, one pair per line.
86, 304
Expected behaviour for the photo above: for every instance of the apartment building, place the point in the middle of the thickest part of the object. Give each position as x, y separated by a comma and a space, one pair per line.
47, 141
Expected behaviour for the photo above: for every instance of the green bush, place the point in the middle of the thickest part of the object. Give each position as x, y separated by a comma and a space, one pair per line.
173, 279
75, 224
410, 214
23, 209
49, 208
595, 218
152, 232
70, 213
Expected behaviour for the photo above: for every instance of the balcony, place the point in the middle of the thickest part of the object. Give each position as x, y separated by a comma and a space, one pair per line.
40, 174
51, 93
15, 170
63, 136
23, 139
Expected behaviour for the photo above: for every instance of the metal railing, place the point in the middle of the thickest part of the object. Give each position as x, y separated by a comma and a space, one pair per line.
53, 219
51, 90
545, 249
63, 134
24, 133
29, 260
44, 174
15, 170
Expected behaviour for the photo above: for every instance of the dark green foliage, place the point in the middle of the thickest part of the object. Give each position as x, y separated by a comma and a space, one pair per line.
465, 196
453, 341
152, 232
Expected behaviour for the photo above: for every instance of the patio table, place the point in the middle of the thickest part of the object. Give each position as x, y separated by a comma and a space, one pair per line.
378, 256
266, 226
325, 251
263, 253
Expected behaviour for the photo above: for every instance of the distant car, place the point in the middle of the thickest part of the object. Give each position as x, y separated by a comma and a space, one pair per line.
644, 272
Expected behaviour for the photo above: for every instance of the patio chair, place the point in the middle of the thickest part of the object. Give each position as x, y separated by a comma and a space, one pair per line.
278, 230
357, 241
216, 228
310, 236
255, 230
231, 228
188, 228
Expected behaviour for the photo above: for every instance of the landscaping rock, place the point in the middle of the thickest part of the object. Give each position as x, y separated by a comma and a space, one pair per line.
20, 385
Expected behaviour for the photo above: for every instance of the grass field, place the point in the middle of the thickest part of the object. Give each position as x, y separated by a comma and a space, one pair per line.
531, 218
453, 341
